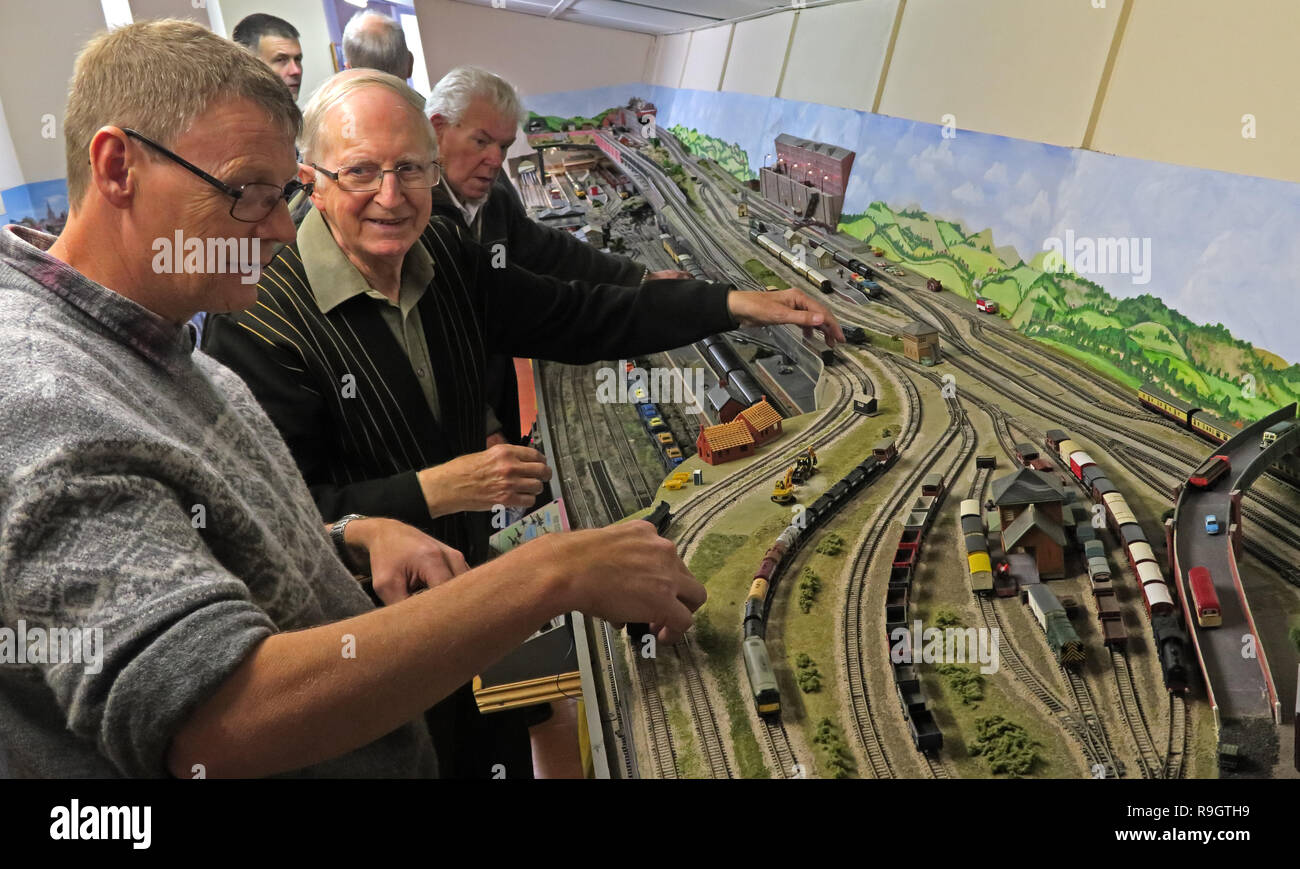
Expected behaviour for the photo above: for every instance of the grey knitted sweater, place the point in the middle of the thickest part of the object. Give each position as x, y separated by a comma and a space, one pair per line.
144, 493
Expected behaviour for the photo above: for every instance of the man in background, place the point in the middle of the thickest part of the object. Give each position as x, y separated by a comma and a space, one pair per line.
275, 42
476, 115
374, 41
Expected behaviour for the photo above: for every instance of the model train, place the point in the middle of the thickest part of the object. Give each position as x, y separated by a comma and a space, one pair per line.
1061, 637
926, 735
679, 252
819, 280
758, 666
1157, 595
978, 566
727, 366
862, 272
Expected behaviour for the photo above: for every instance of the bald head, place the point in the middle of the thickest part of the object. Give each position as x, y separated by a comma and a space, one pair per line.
375, 41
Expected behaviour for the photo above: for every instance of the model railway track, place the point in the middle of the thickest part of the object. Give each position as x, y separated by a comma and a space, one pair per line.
858, 623
701, 510
662, 752
706, 722
778, 743
641, 489
976, 490
935, 767
600, 478
1094, 732
554, 381
1177, 750
912, 399
1008, 654
1148, 757
618, 713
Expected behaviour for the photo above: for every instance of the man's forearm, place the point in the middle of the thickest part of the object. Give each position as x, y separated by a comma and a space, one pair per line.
296, 700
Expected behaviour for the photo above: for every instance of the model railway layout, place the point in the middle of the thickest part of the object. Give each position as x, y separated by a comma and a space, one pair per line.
1107, 608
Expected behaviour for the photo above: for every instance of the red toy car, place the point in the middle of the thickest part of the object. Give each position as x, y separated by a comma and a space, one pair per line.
988, 306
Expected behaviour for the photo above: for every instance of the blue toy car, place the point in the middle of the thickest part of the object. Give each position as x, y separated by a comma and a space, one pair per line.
1211, 523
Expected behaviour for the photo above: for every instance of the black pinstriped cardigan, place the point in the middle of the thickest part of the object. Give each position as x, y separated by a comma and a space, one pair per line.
343, 394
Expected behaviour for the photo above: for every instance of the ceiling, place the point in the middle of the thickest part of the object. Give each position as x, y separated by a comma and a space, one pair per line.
642, 16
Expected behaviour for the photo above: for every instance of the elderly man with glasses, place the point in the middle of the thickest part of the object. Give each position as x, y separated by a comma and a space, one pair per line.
368, 342
151, 517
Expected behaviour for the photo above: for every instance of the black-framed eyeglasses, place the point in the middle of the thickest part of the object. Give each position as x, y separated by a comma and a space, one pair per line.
253, 202
367, 177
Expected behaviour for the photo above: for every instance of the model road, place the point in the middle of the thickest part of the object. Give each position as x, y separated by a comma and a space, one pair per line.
1239, 682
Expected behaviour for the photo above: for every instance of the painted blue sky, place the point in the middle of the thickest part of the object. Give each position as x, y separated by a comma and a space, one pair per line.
30, 200
1223, 246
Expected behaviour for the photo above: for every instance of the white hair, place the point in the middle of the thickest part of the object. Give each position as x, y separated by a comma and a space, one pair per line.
337, 87
374, 41
457, 89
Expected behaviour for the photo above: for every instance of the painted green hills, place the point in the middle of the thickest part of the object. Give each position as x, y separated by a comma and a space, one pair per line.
1134, 340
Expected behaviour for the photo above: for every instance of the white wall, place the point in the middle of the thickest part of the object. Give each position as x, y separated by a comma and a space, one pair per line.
707, 55
1019, 68
1186, 73
669, 59
39, 43
757, 52
838, 52
537, 55
145, 9
307, 16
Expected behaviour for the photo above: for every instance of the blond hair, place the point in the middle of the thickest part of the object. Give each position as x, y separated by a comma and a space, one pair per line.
337, 87
159, 77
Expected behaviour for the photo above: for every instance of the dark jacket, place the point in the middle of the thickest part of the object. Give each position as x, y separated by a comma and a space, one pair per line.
344, 396
540, 249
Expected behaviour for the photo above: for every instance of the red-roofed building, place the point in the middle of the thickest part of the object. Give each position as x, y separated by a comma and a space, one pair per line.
763, 422
723, 443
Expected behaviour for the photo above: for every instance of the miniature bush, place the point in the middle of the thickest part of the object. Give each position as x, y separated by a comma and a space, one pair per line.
968, 684
946, 618
831, 544
807, 677
1004, 745
809, 585
836, 760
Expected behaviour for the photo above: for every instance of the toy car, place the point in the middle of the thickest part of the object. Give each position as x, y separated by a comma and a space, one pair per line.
988, 306
1211, 523
656, 424
639, 394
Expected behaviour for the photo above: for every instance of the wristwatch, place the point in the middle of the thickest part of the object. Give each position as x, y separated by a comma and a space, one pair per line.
344, 551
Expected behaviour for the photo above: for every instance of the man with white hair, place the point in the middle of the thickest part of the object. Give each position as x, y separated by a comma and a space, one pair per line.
372, 40
477, 115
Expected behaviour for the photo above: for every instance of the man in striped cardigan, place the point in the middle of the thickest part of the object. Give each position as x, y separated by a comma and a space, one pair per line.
368, 341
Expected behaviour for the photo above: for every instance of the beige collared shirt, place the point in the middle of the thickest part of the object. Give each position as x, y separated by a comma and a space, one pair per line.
334, 280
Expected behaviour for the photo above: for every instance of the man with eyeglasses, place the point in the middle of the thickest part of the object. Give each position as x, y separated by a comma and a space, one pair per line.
151, 514
368, 343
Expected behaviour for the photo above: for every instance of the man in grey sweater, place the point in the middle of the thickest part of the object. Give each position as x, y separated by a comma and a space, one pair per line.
151, 518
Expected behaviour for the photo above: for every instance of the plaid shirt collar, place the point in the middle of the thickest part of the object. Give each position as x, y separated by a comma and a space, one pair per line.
165, 344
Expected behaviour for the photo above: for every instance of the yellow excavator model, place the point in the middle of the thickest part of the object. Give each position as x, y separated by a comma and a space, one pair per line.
783, 491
